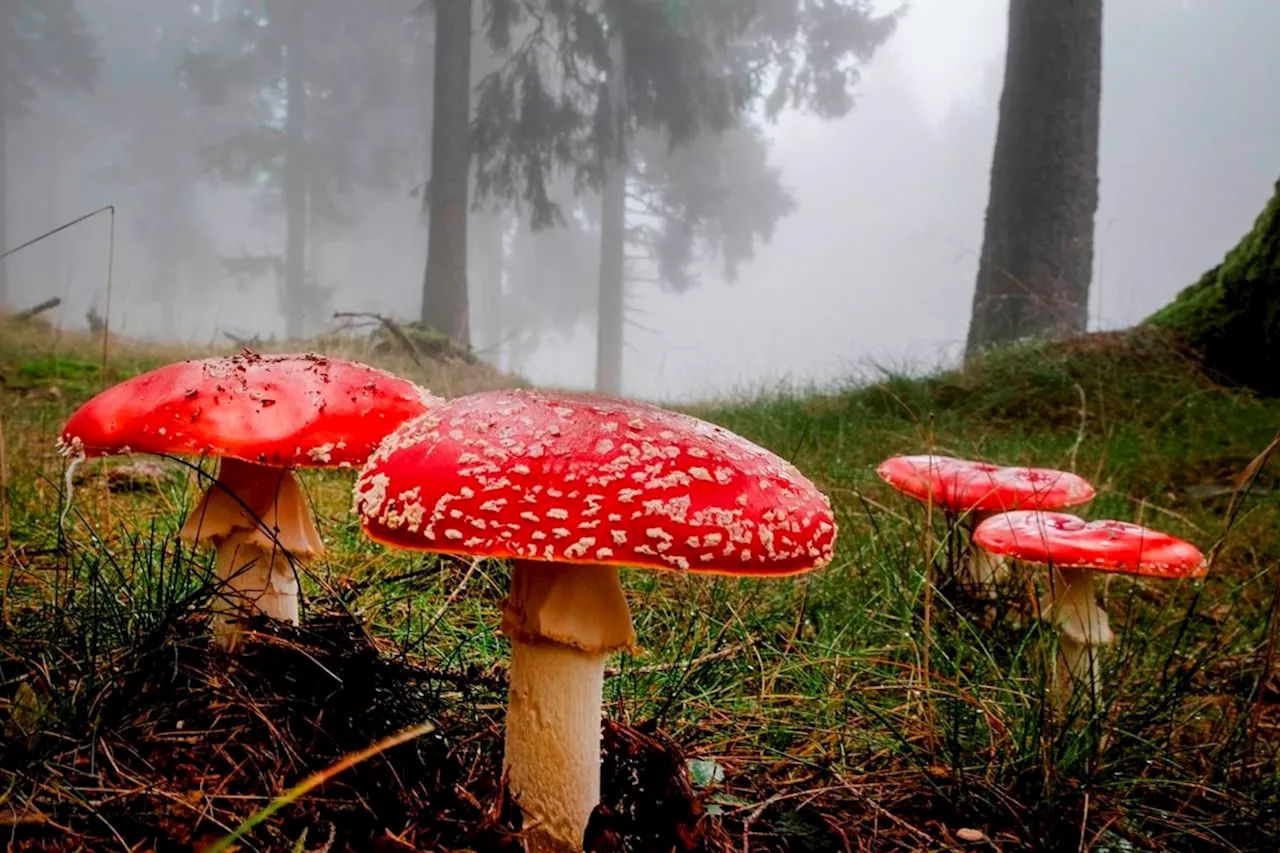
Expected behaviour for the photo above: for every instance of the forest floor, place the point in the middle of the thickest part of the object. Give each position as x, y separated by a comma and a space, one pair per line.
861, 707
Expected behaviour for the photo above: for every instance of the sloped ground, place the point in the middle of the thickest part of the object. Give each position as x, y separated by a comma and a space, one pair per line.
169, 745
852, 709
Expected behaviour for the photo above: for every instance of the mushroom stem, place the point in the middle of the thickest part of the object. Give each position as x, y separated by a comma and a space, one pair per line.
257, 518
552, 750
563, 621
983, 570
1083, 629
252, 579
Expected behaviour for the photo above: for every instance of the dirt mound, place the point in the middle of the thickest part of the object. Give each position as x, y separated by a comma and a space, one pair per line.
178, 745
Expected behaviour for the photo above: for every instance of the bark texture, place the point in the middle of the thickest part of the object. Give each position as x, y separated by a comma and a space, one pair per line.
1037, 247
1232, 314
444, 290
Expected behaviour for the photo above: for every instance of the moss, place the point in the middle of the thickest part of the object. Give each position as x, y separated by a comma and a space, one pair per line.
52, 367
1232, 314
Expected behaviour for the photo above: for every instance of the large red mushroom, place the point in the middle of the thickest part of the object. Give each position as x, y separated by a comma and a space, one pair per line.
263, 415
1075, 549
570, 487
976, 491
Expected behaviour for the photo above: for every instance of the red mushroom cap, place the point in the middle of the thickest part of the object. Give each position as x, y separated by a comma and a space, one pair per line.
961, 485
287, 410
1069, 542
584, 479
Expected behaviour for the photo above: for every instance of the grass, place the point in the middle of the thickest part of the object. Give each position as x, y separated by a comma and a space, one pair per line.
846, 709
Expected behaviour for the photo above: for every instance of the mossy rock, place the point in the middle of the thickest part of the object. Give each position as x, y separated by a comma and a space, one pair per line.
1231, 316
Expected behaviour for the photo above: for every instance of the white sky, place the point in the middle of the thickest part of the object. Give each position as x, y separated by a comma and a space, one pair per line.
945, 45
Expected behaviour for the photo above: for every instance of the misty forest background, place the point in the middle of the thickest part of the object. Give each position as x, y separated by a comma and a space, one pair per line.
792, 208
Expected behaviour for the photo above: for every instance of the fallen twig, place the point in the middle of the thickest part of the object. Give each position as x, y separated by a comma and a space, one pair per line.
39, 308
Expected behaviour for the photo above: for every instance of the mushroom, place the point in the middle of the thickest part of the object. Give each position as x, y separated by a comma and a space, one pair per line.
264, 415
978, 490
1074, 550
570, 487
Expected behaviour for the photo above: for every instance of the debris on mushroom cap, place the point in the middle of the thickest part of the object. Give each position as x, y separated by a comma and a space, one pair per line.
302, 410
1069, 542
961, 485
581, 478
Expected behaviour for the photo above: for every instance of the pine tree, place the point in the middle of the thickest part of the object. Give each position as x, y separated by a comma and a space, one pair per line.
298, 84
679, 71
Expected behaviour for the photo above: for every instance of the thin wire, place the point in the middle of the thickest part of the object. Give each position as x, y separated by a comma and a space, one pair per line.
63, 227
111, 260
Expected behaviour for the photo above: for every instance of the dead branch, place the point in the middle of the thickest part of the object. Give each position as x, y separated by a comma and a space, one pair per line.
393, 329
255, 341
40, 308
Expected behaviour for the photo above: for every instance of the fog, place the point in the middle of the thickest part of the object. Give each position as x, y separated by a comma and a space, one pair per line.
874, 268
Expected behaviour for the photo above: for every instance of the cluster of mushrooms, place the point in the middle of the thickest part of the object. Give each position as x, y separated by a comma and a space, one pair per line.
567, 487
1014, 512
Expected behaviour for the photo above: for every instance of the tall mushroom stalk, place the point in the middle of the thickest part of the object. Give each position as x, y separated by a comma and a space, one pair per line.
569, 487
563, 621
1076, 550
1084, 629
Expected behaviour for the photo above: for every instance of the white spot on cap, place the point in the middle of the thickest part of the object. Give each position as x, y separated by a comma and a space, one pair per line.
579, 549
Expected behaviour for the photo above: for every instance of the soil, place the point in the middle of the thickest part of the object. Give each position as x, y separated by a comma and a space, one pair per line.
169, 750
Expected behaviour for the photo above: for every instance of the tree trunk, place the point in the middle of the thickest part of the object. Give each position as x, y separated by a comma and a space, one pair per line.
613, 225
444, 289
1037, 249
1232, 314
295, 174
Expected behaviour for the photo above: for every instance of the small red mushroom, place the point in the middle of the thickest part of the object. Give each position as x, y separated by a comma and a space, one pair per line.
978, 490
1075, 549
263, 415
570, 487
